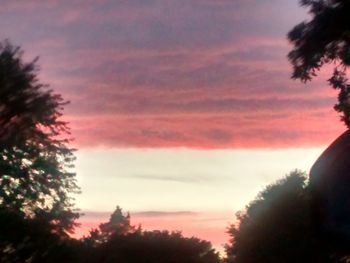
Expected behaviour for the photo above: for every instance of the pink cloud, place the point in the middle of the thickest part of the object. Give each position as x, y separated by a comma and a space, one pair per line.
245, 130
203, 74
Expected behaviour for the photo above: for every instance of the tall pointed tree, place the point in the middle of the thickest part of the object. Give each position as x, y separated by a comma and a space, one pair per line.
118, 224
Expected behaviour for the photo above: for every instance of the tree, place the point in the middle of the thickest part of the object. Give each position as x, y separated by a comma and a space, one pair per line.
118, 224
278, 227
325, 39
330, 189
119, 241
154, 247
35, 159
31, 240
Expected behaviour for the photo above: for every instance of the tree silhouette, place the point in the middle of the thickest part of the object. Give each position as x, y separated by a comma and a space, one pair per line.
31, 240
35, 160
330, 189
118, 224
119, 241
278, 227
325, 39
155, 247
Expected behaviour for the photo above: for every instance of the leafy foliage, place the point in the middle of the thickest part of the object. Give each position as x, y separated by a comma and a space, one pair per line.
278, 227
31, 240
35, 160
324, 40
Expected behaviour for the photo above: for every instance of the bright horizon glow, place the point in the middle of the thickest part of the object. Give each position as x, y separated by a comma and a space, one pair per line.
155, 179
206, 187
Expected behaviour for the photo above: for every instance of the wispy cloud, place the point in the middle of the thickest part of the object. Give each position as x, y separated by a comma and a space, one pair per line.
163, 213
175, 178
100, 215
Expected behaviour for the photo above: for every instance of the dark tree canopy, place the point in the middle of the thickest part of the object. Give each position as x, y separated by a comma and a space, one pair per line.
278, 227
118, 241
325, 39
31, 240
155, 247
35, 160
329, 184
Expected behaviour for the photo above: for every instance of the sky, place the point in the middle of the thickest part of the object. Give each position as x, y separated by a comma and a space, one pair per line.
181, 110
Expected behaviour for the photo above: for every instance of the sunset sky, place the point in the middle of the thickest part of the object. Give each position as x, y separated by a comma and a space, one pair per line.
181, 110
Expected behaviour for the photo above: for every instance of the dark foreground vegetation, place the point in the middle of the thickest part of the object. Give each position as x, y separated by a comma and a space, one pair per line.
279, 226
292, 220
32, 240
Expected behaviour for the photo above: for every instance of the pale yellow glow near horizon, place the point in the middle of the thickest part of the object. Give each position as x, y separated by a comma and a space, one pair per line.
181, 179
